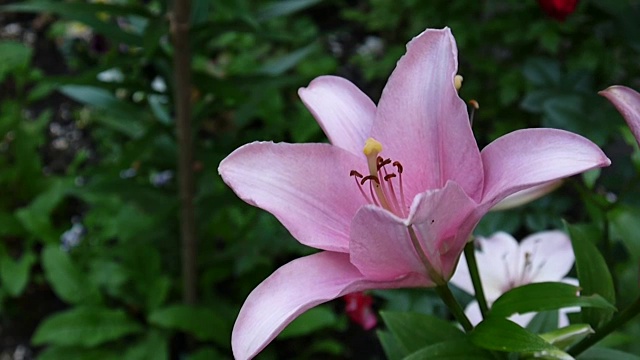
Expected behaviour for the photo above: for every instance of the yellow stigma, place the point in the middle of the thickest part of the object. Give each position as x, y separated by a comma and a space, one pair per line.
372, 148
457, 81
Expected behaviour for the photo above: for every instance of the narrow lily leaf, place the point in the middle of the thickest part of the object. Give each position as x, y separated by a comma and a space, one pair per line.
544, 296
594, 276
392, 349
451, 350
567, 336
503, 335
415, 331
84, 326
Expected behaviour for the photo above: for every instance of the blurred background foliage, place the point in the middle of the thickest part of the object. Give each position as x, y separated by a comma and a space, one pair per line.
90, 250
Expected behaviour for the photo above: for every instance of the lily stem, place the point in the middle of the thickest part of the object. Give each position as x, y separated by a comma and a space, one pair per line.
623, 317
447, 297
470, 256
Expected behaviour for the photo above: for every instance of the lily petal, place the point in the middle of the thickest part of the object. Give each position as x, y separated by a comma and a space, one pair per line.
291, 290
627, 101
527, 195
530, 157
551, 255
306, 186
344, 113
423, 123
381, 247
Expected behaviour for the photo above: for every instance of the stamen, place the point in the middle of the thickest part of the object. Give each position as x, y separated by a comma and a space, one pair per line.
357, 175
381, 187
457, 82
472, 112
372, 148
399, 169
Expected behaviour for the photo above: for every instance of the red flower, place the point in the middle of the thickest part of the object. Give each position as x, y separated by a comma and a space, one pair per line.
358, 308
558, 9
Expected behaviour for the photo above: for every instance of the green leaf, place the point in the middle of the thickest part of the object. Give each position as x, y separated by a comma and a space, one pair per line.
544, 296
84, 326
310, 321
280, 65
597, 353
503, 335
91, 14
593, 275
203, 323
15, 274
542, 72
78, 353
125, 118
543, 321
568, 335
36, 216
154, 345
68, 282
414, 330
390, 345
451, 350
625, 225
284, 7
13, 55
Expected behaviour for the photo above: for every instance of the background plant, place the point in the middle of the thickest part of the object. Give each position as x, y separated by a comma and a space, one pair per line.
90, 263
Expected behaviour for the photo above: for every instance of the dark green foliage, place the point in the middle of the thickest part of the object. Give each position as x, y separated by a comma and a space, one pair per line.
112, 288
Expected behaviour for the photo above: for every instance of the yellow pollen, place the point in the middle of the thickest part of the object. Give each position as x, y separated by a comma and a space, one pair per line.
457, 81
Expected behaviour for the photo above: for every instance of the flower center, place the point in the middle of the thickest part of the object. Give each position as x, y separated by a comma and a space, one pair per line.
385, 176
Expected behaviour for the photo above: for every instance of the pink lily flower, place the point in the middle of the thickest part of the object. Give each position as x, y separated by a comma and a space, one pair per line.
627, 101
398, 213
504, 264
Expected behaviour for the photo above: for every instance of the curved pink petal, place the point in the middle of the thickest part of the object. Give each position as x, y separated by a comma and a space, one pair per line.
381, 246
526, 158
423, 123
343, 111
444, 220
527, 195
293, 289
627, 101
306, 186
550, 253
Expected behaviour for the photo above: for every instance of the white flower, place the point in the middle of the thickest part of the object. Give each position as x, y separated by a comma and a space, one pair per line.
504, 264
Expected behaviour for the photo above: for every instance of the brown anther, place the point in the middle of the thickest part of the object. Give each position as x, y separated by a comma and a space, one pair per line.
370, 177
389, 176
398, 166
355, 173
382, 162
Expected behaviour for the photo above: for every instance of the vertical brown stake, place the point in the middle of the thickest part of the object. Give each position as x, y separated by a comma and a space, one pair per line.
182, 100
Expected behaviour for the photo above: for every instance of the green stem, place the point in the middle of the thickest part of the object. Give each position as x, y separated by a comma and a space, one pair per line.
623, 317
454, 306
470, 256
